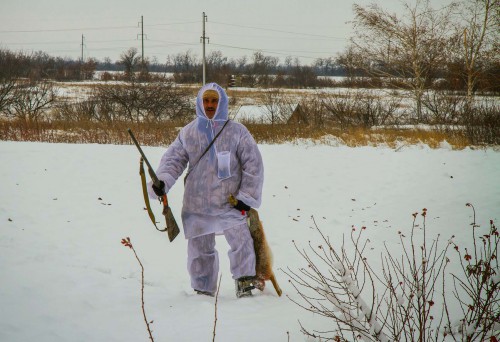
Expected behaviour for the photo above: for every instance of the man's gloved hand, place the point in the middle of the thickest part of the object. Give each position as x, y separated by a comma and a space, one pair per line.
241, 206
159, 191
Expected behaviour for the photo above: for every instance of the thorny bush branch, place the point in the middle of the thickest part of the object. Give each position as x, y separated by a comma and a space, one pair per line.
406, 299
477, 289
126, 242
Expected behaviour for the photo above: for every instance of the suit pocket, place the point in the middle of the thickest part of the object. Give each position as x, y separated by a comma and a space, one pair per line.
224, 164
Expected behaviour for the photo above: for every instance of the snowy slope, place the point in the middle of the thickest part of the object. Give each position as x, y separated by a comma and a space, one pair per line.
64, 209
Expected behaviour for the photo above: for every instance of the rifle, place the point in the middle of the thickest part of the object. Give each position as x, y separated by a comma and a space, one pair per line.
171, 228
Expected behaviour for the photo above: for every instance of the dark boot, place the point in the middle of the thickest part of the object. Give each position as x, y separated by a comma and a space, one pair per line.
206, 293
244, 287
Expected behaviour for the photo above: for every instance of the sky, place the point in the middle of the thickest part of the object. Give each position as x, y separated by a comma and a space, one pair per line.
307, 29
64, 209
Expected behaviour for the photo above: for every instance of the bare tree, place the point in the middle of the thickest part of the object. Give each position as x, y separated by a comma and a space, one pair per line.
216, 67
263, 66
6, 94
325, 66
480, 28
411, 47
10, 69
130, 60
185, 67
350, 61
241, 63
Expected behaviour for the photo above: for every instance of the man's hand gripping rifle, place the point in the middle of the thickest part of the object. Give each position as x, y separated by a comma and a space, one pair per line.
172, 228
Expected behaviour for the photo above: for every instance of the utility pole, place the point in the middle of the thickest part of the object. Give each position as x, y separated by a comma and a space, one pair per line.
142, 36
203, 37
142, 40
81, 62
82, 46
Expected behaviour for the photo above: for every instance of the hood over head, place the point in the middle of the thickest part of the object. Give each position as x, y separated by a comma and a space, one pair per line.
221, 114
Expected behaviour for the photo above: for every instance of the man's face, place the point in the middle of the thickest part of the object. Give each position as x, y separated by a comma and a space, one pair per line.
210, 103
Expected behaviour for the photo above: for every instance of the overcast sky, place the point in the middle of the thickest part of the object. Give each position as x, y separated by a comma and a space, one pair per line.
307, 29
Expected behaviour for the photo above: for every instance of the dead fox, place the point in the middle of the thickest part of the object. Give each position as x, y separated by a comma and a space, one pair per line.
263, 254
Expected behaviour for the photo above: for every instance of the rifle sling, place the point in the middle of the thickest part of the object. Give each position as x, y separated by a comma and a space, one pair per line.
204, 152
146, 197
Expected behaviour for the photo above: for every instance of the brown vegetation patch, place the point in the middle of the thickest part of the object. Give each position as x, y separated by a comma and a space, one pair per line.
162, 134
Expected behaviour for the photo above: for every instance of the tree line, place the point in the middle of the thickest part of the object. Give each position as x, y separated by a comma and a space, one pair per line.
437, 60
455, 47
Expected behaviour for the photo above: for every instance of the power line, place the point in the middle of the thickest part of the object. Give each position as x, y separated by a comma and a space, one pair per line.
172, 43
281, 31
262, 50
292, 53
92, 28
274, 51
170, 24
68, 29
274, 37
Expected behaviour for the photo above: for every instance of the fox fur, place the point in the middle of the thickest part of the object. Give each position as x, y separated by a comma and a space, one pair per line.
263, 254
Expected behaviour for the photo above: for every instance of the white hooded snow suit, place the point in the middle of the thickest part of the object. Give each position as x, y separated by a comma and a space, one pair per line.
233, 165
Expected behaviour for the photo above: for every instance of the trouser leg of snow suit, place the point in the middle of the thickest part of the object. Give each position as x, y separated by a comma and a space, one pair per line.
242, 254
203, 261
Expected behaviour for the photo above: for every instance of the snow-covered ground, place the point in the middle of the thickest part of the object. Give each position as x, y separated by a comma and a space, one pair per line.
65, 208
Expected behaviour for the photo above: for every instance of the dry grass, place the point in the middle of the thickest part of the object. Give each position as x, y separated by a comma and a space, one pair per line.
397, 137
162, 134
355, 137
89, 132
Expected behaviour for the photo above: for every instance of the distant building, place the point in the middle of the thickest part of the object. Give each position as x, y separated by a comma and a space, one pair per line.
298, 116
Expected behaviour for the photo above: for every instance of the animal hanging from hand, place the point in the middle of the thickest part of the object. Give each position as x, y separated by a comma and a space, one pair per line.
263, 254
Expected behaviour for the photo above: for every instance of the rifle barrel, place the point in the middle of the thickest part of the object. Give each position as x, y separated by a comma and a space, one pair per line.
155, 179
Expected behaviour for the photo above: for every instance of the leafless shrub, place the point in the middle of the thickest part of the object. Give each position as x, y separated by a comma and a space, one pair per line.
406, 300
316, 114
87, 110
7, 88
277, 106
106, 76
343, 110
360, 108
354, 109
30, 100
477, 288
443, 108
482, 122
148, 102
378, 111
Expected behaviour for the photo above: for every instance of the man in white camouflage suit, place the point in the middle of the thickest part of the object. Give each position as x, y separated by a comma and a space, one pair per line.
232, 165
